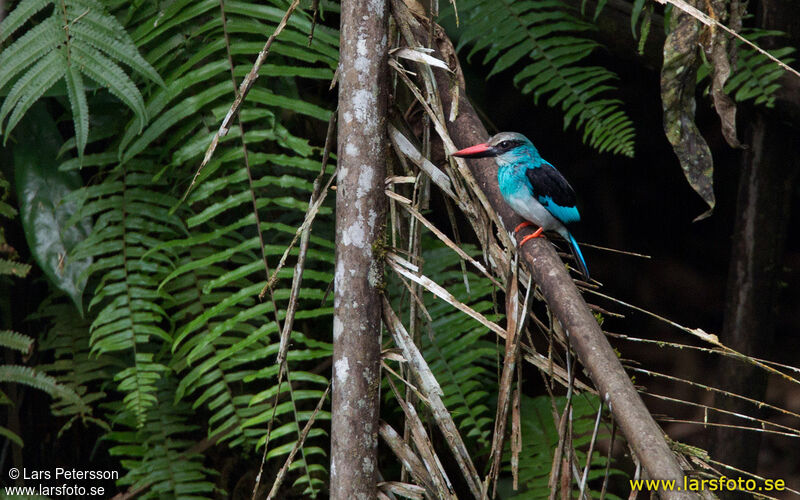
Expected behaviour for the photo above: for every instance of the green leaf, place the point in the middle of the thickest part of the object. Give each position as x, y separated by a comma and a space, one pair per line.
30, 377
11, 437
16, 341
14, 268
17, 17
41, 190
78, 38
79, 106
638, 5
108, 74
543, 37
29, 48
30, 87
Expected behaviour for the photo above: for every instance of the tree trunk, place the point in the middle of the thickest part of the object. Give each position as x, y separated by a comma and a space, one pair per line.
360, 208
765, 187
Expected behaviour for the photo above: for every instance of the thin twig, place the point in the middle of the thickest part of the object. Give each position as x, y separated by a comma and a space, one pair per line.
608, 459
406, 204
755, 402
244, 89
429, 386
709, 21
591, 449
433, 465
317, 198
702, 335
789, 430
297, 445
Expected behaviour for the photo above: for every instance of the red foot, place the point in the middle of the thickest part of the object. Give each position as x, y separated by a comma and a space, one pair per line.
536, 234
521, 225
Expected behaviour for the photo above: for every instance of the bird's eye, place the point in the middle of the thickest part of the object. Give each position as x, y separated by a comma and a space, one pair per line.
505, 144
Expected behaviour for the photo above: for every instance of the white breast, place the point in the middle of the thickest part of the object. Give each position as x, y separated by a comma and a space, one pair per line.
532, 210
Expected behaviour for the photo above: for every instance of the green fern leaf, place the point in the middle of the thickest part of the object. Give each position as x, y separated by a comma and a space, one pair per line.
17, 341
159, 457
19, 16
106, 34
73, 365
27, 89
107, 73
130, 218
186, 108
79, 106
544, 36
540, 438
29, 48
65, 45
756, 75
32, 378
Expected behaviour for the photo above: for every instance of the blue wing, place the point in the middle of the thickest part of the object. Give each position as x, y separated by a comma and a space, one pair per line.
553, 191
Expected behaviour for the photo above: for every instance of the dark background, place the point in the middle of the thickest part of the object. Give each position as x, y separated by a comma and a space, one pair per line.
645, 205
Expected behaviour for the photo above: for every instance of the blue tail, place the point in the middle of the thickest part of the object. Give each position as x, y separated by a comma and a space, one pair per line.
576, 251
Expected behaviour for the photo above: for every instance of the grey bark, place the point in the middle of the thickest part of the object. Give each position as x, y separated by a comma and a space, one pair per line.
360, 208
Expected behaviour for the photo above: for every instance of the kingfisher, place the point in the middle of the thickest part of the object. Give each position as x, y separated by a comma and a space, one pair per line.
532, 187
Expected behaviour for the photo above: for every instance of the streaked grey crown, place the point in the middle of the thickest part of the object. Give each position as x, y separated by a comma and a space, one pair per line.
506, 141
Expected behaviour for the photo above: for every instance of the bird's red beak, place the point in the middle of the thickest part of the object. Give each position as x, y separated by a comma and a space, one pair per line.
477, 151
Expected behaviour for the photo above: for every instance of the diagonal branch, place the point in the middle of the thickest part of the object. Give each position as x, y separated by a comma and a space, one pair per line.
595, 353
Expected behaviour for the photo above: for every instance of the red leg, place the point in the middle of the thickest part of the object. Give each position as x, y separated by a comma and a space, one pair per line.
535, 234
521, 225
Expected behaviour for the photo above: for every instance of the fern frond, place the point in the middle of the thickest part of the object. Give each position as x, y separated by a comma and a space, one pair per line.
131, 218
29, 48
19, 16
106, 34
79, 107
543, 35
190, 281
756, 76
79, 37
14, 268
73, 366
540, 438
223, 334
108, 74
30, 87
29, 376
16, 341
159, 457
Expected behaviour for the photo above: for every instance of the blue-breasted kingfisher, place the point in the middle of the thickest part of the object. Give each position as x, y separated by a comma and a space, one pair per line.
532, 187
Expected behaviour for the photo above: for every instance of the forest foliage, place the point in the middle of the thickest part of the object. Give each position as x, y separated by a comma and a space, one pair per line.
143, 319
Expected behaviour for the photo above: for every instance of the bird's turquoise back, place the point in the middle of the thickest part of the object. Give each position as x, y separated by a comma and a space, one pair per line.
515, 169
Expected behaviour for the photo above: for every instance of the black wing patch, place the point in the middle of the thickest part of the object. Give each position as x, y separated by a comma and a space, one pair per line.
547, 182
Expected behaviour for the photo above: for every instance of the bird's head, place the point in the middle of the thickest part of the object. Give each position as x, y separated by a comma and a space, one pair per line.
506, 147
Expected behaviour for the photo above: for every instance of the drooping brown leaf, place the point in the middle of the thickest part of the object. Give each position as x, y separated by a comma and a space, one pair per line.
721, 53
678, 77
